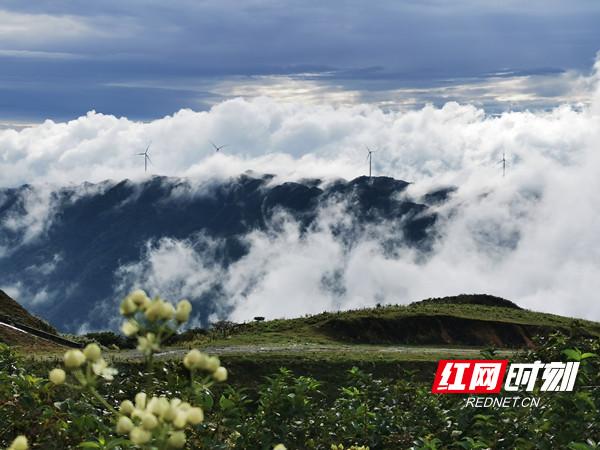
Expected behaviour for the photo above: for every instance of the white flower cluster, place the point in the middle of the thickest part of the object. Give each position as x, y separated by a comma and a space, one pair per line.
196, 360
152, 320
154, 421
157, 420
86, 365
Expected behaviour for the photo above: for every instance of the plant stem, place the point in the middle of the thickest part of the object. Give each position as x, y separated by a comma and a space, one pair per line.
102, 400
149, 371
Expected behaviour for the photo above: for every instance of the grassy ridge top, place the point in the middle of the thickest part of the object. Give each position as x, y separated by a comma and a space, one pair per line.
476, 320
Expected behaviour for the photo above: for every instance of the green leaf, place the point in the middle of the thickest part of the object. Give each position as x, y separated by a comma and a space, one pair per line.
573, 354
579, 446
225, 403
89, 444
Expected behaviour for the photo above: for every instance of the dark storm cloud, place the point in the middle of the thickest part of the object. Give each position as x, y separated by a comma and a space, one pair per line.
146, 59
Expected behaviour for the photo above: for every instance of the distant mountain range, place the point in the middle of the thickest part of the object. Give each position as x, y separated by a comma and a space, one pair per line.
61, 249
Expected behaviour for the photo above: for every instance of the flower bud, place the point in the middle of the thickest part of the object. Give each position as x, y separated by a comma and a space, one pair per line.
149, 421
167, 311
176, 439
139, 436
153, 312
140, 400
184, 406
212, 363
195, 416
128, 307
279, 447
170, 413
220, 374
180, 420
92, 352
74, 359
151, 404
20, 443
139, 297
124, 425
129, 328
57, 376
184, 308
126, 407
160, 407
195, 359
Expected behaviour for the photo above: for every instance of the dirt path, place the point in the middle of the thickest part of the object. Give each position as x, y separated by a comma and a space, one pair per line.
308, 348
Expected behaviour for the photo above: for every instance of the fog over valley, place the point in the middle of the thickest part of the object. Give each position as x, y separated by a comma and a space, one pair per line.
266, 227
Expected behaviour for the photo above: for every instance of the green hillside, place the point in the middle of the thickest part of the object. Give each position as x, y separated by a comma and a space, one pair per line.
18, 328
465, 320
10, 311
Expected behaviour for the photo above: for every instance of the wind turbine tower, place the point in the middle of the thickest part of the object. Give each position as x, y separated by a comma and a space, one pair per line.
503, 162
146, 156
370, 159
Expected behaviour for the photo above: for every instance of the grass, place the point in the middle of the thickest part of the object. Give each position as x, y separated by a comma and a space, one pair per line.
389, 339
438, 322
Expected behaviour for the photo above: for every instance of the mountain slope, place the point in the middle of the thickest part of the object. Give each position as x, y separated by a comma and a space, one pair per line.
465, 320
11, 311
64, 250
19, 328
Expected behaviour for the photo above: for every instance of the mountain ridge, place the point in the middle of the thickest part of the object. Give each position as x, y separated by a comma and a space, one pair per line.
68, 271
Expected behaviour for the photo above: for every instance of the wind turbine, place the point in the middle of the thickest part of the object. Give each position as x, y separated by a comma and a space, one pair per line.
370, 158
146, 157
503, 162
216, 147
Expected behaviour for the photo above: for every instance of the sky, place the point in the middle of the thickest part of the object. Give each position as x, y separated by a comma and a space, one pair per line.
146, 59
299, 89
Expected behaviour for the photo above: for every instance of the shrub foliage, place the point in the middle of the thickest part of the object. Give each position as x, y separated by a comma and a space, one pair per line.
168, 404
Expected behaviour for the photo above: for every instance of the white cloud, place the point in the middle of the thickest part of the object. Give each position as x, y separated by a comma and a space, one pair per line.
283, 274
293, 140
33, 212
34, 216
47, 267
173, 269
40, 28
539, 251
531, 236
38, 54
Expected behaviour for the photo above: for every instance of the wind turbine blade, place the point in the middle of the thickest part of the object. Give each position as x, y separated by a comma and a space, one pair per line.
149, 160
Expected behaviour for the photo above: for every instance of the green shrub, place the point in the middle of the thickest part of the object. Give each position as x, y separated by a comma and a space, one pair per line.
80, 405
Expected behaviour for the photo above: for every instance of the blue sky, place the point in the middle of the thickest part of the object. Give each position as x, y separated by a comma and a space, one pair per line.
321, 81
146, 59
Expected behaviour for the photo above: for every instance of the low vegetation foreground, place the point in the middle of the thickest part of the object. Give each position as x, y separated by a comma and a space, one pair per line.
349, 380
